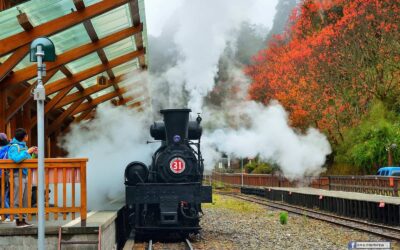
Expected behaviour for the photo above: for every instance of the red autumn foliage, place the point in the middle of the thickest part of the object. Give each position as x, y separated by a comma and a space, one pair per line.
333, 59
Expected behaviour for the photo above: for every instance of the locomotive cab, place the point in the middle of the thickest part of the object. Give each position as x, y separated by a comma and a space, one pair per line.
168, 194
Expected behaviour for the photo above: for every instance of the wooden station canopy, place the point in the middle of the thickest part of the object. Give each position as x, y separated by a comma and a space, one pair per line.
100, 47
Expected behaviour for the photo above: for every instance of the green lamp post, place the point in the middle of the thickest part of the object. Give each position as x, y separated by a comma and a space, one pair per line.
41, 50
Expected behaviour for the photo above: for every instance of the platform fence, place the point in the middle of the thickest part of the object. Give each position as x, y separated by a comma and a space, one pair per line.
65, 188
381, 185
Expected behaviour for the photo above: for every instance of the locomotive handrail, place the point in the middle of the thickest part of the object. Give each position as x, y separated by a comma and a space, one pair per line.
60, 174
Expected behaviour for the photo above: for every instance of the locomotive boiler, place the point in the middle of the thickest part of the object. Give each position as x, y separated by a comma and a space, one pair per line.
167, 195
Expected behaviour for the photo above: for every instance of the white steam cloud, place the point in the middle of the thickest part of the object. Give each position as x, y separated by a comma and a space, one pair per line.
269, 136
241, 128
114, 138
202, 33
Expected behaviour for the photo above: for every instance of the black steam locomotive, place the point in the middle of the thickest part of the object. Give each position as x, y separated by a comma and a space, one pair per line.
167, 195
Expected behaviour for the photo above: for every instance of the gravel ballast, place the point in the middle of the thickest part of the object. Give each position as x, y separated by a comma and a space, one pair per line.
230, 223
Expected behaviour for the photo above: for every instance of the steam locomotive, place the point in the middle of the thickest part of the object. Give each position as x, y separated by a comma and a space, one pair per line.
167, 195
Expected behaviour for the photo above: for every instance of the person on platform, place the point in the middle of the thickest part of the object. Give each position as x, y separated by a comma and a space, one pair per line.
4, 146
19, 152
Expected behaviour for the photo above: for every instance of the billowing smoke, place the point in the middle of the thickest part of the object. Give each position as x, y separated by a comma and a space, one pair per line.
210, 45
264, 132
115, 137
245, 129
202, 31
202, 67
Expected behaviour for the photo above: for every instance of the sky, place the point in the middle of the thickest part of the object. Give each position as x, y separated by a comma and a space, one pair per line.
158, 12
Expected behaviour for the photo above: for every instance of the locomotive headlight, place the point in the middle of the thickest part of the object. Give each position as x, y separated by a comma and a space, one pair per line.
177, 138
177, 165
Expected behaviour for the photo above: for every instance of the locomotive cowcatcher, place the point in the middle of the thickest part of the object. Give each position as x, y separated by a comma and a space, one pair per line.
167, 195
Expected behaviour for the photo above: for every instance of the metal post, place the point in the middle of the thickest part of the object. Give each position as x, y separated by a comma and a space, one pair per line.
241, 167
40, 96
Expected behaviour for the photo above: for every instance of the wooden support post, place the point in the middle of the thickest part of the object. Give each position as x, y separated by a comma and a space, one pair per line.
83, 193
26, 118
53, 144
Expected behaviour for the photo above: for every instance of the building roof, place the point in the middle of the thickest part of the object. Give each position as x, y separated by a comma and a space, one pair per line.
92, 38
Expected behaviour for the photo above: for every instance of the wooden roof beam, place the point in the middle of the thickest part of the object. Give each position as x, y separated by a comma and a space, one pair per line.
100, 52
83, 115
12, 61
69, 56
56, 99
26, 96
135, 16
79, 5
68, 73
83, 75
134, 8
13, 42
23, 20
88, 91
50, 105
59, 120
98, 100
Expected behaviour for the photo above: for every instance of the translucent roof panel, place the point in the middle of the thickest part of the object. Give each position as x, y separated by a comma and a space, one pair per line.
74, 90
126, 67
40, 11
90, 81
90, 2
70, 38
24, 63
57, 76
112, 21
52, 95
4, 58
67, 106
9, 23
103, 92
120, 48
84, 63
131, 86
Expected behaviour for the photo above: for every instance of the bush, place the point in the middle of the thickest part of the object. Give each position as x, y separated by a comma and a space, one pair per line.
258, 167
262, 168
365, 146
249, 167
283, 218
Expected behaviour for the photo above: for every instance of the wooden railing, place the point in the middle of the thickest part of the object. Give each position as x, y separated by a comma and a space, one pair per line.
362, 184
63, 176
366, 184
270, 180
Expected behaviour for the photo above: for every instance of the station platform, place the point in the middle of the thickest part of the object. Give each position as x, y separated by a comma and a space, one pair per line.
100, 226
342, 194
369, 207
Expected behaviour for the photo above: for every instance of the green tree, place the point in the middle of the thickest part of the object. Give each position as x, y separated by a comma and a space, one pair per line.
366, 146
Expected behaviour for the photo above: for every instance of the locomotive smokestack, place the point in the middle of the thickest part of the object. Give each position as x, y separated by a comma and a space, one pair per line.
176, 124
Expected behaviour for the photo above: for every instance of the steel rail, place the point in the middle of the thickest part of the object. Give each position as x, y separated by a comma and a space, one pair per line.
380, 230
188, 245
150, 246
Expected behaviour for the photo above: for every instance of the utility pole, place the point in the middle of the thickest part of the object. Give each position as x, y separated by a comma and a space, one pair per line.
241, 167
41, 50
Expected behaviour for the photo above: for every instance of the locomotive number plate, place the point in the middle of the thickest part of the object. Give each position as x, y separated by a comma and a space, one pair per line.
177, 165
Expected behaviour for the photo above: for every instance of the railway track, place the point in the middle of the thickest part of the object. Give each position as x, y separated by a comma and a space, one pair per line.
377, 229
150, 245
